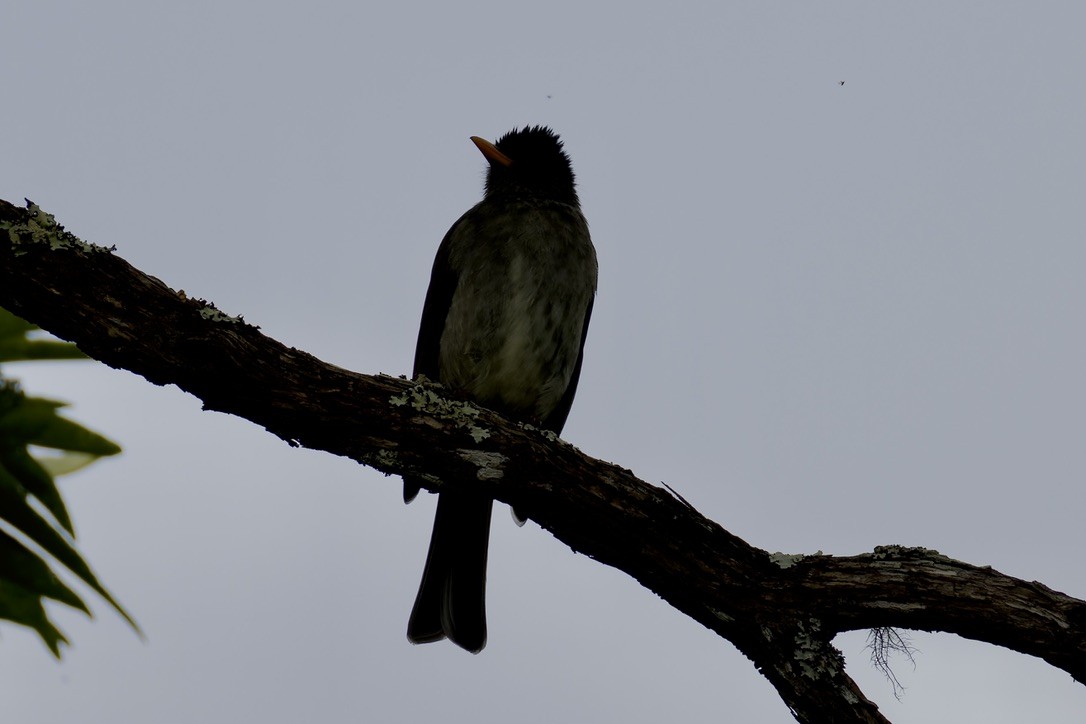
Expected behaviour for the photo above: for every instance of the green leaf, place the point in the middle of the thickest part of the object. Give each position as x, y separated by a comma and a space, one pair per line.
36, 422
63, 434
16, 346
23, 567
17, 512
22, 466
24, 607
63, 463
26, 578
12, 325
20, 350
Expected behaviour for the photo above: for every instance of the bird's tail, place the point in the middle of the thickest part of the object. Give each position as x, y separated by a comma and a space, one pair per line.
452, 596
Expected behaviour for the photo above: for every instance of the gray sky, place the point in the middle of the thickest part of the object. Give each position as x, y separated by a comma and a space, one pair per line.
832, 317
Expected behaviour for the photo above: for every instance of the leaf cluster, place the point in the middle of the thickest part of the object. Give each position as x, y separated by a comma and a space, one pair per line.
36, 530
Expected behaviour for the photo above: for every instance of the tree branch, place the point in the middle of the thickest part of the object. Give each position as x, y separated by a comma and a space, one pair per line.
781, 611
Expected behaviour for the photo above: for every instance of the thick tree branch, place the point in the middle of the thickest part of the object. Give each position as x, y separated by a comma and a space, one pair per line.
781, 611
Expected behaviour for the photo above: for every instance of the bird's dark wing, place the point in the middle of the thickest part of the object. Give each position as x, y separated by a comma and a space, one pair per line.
452, 596
443, 280
557, 419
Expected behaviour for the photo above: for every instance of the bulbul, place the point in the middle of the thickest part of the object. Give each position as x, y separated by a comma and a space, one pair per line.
504, 323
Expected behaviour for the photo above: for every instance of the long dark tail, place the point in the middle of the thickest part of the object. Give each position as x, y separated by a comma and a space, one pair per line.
452, 595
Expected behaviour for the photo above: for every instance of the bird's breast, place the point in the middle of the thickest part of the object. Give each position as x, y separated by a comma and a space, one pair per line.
513, 333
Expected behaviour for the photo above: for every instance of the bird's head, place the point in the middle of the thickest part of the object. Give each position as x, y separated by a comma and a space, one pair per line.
529, 161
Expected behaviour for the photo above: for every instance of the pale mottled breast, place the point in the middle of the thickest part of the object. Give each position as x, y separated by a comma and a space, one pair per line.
526, 274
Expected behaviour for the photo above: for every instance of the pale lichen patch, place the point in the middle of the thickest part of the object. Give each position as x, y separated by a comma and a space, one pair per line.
41, 228
424, 397
899, 551
786, 560
488, 465
816, 658
212, 314
478, 434
549, 435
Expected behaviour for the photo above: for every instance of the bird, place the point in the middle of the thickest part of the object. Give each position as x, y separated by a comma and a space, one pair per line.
504, 324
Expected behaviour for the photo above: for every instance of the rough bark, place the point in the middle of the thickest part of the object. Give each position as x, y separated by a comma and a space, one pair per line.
781, 611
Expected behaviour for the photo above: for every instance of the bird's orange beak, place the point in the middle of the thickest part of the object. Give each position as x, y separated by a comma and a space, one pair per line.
491, 152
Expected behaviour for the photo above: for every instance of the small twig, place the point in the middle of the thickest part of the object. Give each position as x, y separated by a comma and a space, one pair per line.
884, 643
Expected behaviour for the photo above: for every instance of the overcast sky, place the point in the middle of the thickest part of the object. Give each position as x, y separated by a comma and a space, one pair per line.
831, 316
